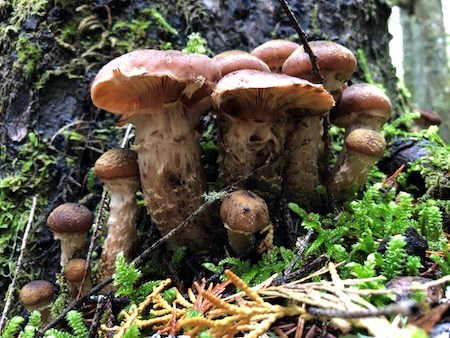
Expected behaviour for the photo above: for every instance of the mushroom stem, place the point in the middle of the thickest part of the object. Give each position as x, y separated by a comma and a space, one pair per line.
121, 224
302, 173
70, 243
240, 242
170, 167
245, 146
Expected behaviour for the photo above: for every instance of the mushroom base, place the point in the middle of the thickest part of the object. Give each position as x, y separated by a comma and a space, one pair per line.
121, 224
240, 242
167, 144
302, 172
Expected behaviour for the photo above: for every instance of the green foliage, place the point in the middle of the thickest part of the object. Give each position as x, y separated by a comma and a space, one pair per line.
34, 321
126, 279
276, 261
362, 61
178, 256
12, 326
76, 323
196, 44
395, 257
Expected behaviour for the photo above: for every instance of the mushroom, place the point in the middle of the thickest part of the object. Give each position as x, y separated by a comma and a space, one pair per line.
163, 93
38, 295
362, 105
275, 52
119, 171
304, 171
232, 60
243, 213
253, 107
74, 273
362, 149
427, 118
70, 223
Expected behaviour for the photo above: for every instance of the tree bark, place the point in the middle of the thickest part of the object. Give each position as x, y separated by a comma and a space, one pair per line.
425, 59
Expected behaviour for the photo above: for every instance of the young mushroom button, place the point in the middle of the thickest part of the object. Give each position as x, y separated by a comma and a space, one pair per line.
74, 273
70, 223
38, 295
243, 213
163, 94
232, 60
119, 171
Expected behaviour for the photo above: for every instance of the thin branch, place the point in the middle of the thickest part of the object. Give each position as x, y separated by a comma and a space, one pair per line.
303, 39
299, 253
19, 263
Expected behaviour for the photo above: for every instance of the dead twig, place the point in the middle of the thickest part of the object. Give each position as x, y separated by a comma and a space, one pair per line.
19, 263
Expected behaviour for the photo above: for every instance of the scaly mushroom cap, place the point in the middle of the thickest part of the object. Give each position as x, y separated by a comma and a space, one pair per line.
232, 60
36, 294
74, 270
264, 96
336, 63
362, 103
147, 78
366, 142
275, 52
70, 218
117, 163
244, 212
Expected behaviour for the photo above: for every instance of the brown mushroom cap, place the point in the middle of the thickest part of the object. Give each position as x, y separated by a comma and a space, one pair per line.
117, 163
430, 116
365, 99
36, 294
74, 270
366, 142
232, 60
243, 211
331, 56
147, 78
275, 52
70, 218
264, 96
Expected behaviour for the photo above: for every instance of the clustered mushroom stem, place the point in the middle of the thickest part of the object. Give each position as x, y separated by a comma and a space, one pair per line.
169, 162
302, 173
121, 224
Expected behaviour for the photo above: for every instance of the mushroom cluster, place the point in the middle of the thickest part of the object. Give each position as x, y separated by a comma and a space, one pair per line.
270, 110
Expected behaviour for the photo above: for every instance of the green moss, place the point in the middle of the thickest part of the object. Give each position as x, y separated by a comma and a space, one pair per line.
28, 54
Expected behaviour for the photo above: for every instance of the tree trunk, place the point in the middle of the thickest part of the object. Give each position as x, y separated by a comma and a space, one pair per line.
425, 59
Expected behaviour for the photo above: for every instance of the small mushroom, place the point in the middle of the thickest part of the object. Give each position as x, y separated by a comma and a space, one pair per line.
232, 60
362, 105
162, 93
74, 273
253, 109
243, 213
427, 118
38, 295
70, 223
362, 149
275, 52
118, 169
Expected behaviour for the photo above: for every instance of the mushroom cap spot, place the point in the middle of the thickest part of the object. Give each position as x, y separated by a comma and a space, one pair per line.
232, 60
36, 293
70, 218
147, 78
361, 97
74, 270
366, 142
330, 56
430, 116
275, 52
117, 163
266, 96
243, 211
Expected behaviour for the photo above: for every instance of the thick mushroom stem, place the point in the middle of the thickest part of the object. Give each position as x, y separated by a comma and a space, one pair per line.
302, 173
171, 177
247, 145
362, 149
121, 224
